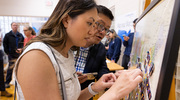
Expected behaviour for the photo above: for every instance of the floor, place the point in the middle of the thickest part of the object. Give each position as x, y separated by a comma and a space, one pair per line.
10, 90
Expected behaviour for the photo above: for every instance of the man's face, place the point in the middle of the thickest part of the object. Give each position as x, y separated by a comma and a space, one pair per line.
14, 27
99, 34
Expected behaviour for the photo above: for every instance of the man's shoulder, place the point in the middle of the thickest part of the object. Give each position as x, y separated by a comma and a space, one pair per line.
98, 48
9, 33
99, 45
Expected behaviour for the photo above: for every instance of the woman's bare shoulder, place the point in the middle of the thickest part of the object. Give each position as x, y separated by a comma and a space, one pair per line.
35, 70
34, 60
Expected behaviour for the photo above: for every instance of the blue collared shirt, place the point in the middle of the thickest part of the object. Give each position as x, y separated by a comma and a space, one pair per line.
17, 39
80, 61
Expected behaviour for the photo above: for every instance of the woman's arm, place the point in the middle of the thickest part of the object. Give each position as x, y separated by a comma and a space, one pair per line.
37, 77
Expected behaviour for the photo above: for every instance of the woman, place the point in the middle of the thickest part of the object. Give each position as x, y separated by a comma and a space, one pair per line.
71, 24
114, 48
29, 33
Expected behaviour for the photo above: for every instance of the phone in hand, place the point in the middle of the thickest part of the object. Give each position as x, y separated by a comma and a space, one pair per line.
91, 76
124, 35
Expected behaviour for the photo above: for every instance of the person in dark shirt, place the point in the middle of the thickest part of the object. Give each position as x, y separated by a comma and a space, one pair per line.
13, 44
114, 49
3, 91
128, 41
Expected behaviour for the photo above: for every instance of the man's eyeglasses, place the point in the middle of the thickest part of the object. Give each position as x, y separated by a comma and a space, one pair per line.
101, 27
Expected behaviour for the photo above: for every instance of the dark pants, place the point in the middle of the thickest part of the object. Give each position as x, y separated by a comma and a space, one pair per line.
125, 61
2, 86
10, 69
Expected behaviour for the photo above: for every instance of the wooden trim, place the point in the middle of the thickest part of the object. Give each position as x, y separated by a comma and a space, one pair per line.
150, 6
147, 2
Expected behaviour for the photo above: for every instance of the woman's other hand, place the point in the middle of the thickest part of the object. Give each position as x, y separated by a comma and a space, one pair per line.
106, 81
81, 77
127, 81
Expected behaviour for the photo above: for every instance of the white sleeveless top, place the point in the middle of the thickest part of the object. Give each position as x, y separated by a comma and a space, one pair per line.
67, 67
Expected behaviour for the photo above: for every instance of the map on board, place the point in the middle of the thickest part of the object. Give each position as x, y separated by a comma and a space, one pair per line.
149, 46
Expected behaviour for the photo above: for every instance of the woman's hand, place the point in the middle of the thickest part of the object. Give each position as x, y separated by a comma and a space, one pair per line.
106, 81
81, 77
113, 61
126, 82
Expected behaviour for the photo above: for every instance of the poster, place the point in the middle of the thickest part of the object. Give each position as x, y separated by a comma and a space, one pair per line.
149, 46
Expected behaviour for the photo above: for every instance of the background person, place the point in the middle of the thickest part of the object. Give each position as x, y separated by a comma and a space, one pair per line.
29, 33
2, 84
128, 41
114, 49
13, 43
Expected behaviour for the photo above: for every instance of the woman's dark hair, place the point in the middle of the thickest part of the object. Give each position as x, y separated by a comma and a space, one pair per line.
53, 31
105, 11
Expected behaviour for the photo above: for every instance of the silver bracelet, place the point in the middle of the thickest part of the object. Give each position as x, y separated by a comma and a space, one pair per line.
90, 89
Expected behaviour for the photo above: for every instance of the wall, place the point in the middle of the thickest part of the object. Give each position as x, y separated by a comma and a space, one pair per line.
35, 8
40, 8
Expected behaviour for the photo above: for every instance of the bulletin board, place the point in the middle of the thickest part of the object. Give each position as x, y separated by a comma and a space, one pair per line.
155, 49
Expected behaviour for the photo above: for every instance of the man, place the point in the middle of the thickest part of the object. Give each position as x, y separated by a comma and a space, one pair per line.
128, 40
13, 43
92, 57
2, 84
